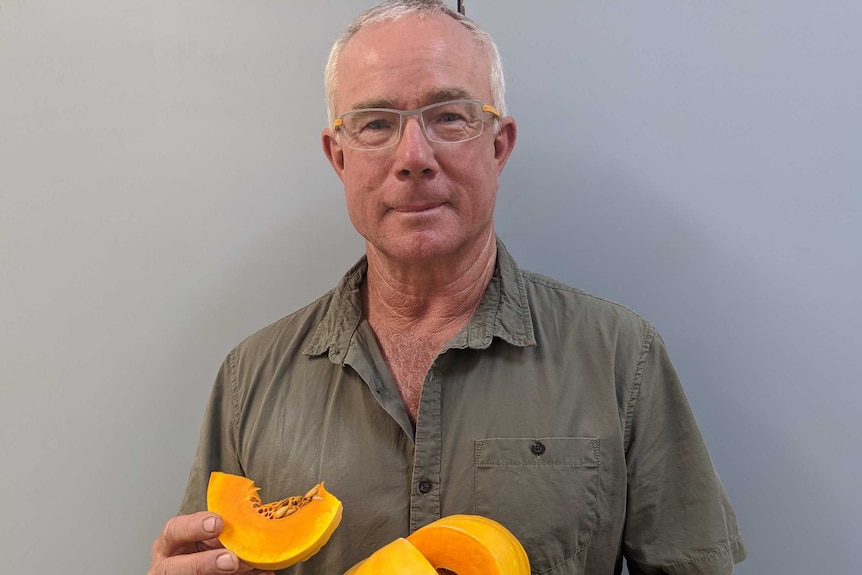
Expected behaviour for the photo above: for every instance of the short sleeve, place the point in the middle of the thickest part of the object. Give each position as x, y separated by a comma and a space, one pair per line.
679, 520
216, 449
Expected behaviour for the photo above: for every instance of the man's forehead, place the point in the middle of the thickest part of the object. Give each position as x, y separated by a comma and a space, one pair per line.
410, 62
412, 38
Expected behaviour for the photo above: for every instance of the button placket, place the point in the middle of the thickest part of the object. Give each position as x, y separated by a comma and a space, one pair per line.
425, 494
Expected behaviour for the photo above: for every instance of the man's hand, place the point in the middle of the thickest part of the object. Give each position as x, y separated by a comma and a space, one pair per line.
189, 545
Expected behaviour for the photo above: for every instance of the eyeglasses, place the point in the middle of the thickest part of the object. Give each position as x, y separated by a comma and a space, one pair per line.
444, 123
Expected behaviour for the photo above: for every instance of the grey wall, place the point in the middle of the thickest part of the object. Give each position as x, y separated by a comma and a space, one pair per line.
163, 195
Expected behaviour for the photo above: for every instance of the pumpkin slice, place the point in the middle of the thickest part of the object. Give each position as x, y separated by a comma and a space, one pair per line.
471, 545
397, 558
275, 535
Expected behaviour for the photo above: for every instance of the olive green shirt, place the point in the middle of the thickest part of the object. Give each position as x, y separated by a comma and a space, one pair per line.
553, 411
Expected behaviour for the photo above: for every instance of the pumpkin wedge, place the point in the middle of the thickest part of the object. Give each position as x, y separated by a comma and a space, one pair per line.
471, 545
460, 544
275, 535
397, 558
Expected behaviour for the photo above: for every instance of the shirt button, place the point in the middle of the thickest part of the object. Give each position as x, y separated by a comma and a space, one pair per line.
424, 486
537, 448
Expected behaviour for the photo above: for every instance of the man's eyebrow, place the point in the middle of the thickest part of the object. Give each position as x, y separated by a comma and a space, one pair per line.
445, 94
375, 103
432, 97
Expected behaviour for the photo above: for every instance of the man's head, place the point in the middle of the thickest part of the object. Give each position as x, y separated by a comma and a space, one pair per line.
423, 197
395, 9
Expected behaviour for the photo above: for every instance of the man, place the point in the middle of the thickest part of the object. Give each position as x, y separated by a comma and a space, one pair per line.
438, 378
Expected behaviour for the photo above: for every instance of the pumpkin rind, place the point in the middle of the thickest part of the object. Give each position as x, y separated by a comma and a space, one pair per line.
266, 543
471, 545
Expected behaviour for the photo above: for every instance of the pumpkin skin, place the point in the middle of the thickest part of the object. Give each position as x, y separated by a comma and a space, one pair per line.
263, 542
471, 545
397, 558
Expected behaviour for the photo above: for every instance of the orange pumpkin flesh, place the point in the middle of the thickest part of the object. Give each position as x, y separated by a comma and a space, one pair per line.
471, 545
399, 557
462, 544
261, 541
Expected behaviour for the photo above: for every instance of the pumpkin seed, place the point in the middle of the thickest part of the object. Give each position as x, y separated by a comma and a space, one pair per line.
287, 506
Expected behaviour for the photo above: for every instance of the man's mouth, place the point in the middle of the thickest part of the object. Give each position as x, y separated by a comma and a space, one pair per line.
420, 208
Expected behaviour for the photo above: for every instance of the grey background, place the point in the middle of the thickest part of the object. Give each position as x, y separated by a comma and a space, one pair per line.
163, 195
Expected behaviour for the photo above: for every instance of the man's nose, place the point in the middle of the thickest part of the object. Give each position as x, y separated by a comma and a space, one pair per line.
414, 154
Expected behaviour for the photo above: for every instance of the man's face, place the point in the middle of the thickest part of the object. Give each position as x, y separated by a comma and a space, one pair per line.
417, 199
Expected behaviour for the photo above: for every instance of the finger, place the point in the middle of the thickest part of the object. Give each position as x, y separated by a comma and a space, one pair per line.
212, 562
184, 531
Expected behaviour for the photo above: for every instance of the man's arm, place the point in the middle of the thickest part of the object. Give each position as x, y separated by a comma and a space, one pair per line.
679, 520
217, 449
188, 544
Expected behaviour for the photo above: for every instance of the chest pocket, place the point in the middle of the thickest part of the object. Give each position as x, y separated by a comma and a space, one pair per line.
544, 490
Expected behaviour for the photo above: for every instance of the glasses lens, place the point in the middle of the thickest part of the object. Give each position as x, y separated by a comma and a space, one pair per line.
370, 129
453, 121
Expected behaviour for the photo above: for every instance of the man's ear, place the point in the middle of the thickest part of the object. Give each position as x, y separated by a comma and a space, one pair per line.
332, 150
504, 141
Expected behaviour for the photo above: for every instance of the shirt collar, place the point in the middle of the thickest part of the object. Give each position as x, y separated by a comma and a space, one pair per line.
504, 312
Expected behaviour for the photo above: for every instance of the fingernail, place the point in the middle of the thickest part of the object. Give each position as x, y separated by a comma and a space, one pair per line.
225, 562
210, 524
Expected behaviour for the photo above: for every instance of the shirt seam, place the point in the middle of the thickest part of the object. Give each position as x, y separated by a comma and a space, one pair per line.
556, 285
235, 401
726, 550
637, 380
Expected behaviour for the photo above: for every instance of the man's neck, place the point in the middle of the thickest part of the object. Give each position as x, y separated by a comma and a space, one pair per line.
427, 298
414, 310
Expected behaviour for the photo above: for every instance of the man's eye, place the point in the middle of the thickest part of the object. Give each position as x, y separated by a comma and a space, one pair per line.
446, 117
375, 125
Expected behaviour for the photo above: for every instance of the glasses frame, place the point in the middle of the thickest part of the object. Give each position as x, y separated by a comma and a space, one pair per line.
339, 122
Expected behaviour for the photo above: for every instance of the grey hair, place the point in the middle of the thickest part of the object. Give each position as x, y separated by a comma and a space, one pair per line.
395, 9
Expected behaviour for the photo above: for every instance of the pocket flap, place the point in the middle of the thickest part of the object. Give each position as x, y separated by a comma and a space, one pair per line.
557, 451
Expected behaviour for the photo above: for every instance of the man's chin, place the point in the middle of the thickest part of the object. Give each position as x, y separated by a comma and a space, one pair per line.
419, 247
